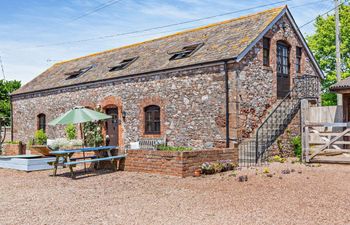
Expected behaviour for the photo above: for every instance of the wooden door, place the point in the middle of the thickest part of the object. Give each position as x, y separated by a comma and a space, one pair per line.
112, 126
283, 70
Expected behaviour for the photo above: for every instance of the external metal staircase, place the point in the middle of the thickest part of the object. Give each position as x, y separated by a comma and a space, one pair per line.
255, 150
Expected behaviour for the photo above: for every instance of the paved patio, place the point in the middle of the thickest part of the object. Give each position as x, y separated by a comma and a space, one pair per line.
317, 195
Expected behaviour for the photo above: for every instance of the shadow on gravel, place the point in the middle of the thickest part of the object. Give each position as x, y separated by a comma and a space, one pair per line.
81, 174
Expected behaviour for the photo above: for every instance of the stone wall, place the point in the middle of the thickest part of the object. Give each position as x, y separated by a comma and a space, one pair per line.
191, 102
283, 145
257, 84
181, 164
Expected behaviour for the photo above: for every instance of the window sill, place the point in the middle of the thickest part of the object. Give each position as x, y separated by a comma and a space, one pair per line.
269, 68
151, 135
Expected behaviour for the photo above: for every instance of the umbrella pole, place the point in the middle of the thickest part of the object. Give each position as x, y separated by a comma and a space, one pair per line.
82, 136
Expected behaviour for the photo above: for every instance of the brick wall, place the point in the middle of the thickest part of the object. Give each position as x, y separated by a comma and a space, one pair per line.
181, 164
13, 149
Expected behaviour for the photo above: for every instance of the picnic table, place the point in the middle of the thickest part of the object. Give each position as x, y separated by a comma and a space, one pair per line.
65, 157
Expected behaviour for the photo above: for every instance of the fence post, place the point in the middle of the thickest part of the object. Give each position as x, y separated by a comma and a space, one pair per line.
304, 109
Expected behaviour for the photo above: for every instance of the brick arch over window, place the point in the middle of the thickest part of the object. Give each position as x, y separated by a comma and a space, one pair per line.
41, 122
283, 41
149, 106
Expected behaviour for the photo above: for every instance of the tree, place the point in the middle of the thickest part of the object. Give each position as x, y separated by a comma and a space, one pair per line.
322, 43
7, 87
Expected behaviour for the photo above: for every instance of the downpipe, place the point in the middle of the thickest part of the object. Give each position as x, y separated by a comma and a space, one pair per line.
227, 105
11, 119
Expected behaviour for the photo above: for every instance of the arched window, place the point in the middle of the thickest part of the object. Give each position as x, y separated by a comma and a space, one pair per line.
42, 122
152, 119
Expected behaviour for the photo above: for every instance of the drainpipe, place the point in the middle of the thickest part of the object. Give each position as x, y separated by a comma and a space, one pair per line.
11, 123
227, 106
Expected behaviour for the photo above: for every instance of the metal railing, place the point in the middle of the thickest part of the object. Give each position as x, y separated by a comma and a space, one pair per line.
255, 150
305, 87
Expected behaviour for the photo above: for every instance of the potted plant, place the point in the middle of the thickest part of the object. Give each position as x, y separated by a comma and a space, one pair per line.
227, 165
218, 167
207, 168
64, 143
197, 172
39, 144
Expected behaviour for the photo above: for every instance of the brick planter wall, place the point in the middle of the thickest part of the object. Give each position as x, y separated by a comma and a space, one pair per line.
181, 164
13, 149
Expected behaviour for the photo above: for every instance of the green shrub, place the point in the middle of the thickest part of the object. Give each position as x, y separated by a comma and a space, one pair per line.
218, 167
92, 134
173, 148
40, 137
71, 132
12, 142
296, 141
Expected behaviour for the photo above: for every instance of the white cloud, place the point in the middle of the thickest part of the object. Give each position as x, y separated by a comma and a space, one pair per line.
166, 11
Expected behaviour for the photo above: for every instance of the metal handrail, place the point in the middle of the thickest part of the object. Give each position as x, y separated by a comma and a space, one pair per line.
288, 96
265, 121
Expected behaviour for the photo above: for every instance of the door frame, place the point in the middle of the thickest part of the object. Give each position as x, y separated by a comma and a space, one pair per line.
119, 116
286, 45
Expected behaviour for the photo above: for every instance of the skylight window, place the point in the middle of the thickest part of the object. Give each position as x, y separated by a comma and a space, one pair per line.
77, 73
123, 64
187, 51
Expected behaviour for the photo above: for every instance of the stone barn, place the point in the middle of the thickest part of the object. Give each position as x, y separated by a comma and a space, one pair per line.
207, 87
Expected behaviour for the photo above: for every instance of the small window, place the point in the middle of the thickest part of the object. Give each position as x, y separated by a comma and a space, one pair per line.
152, 119
298, 60
123, 64
266, 51
186, 51
42, 122
77, 73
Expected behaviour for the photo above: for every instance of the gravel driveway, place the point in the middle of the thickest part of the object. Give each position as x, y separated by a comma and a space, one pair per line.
309, 195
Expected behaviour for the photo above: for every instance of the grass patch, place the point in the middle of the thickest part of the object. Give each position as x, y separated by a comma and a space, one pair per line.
12, 142
173, 148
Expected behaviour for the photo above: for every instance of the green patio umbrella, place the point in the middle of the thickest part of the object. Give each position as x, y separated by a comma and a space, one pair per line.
79, 115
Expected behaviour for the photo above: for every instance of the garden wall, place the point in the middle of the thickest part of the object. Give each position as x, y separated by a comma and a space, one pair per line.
181, 164
13, 149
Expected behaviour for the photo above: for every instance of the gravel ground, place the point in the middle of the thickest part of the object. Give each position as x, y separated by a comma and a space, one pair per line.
309, 195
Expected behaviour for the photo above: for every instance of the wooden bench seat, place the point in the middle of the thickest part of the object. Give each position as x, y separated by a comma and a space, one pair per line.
73, 159
95, 160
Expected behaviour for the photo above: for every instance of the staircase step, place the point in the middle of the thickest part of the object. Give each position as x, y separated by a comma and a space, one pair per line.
275, 124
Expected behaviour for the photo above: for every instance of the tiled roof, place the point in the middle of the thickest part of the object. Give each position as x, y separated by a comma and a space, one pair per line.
341, 85
222, 40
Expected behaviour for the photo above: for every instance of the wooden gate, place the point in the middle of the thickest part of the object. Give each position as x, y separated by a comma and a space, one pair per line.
326, 142
325, 138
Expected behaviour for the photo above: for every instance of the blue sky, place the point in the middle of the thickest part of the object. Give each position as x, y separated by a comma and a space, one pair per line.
31, 30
